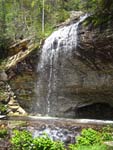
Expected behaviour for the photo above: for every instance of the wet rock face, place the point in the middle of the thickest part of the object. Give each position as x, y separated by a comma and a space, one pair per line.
95, 46
77, 76
95, 52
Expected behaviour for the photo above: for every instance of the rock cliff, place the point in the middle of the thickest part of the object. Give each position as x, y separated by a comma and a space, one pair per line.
93, 65
18, 78
75, 79
80, 84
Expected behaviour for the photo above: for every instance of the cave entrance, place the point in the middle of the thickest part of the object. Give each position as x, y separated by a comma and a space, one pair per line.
96, 111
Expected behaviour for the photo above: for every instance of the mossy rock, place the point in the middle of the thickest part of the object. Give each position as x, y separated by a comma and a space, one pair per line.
3, 109
3, 95
3, 92
3, 133
23, 86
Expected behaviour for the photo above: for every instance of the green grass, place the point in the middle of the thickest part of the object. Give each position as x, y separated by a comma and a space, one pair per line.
93, 147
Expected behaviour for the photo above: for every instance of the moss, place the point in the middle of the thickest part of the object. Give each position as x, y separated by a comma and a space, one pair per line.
23, 87
3, 95
3, 133
17, 124
3, 63
3, 109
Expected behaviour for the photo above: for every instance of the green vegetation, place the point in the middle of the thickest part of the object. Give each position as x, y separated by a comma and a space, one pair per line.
30, 18
89, 139
24, 140
101, 11
3, 109
45, 143
21, 140
94, 147
37, 18
3, 133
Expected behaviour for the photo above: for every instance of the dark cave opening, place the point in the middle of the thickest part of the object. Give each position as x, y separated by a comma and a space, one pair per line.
95, 111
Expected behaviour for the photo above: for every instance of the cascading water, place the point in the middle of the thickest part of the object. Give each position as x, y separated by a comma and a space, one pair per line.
51, 68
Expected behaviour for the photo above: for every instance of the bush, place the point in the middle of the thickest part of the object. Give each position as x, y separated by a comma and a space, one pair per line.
94, 147
3, 133
107, 133
89, 137
45, 143
22, 140
3, 109
62, 15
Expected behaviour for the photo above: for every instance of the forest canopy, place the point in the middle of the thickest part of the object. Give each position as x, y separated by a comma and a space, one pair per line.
36, 18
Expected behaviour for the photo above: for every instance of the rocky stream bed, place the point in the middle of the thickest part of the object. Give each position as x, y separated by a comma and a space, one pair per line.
65, 130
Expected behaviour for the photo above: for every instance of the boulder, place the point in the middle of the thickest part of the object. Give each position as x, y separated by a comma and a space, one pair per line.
3, 76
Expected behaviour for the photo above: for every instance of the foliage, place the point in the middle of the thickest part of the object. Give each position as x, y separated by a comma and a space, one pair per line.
3, 133
20, 19
107, 133
45, 143
62, 15
3, 108
89, 137
21, 140
73, 5
99, 6
24, 140
101, 11
94, 147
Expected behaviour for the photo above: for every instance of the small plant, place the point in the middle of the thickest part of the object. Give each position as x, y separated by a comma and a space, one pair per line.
89, 137
22, 140
3, 133
72, 147
3, 109
107, 133
41, 143
94, 147
45, 143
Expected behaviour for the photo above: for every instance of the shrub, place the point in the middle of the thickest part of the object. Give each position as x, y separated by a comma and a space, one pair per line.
3, 133
89, 137
22, 140
3, 109
94, 147
107, 133
45, 143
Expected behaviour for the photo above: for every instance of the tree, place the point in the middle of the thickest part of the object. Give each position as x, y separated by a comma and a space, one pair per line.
36, 18
101, 11
43, 15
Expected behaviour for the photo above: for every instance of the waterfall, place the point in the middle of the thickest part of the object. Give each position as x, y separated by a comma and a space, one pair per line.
57, 48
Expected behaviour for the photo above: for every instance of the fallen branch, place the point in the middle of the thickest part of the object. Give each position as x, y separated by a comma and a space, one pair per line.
12, 61
19, 46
